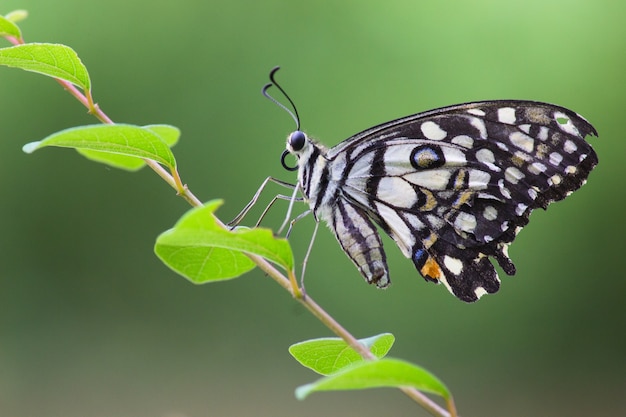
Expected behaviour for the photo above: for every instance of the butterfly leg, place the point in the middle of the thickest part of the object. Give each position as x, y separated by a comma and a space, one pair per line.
277, 197
235, 222
295, 220
308, 251
290, 209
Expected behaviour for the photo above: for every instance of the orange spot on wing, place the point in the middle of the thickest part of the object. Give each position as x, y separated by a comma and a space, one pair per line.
431, 270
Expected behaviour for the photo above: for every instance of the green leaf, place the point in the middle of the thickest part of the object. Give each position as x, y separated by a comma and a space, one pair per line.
119, 139
53, 60
8, 28
202, 251
17, 15
330, 354
169, 134
386, 372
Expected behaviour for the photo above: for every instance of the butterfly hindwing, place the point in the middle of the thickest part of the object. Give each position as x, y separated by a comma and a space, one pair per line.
466, 273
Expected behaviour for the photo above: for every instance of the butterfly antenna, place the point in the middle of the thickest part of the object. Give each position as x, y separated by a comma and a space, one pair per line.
294, 113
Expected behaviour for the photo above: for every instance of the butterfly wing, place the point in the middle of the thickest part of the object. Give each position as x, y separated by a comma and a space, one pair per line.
454, 186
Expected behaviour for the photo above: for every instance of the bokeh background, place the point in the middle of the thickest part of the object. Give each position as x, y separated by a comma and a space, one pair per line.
91, 324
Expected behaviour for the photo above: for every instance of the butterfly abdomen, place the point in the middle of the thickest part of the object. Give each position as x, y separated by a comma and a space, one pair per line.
321, 181
360, 240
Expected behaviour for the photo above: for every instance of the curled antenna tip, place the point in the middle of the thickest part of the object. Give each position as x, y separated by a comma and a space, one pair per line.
272, 72
273, 82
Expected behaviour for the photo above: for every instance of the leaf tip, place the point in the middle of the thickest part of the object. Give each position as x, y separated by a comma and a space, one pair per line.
16, 15
303, 391
31, 147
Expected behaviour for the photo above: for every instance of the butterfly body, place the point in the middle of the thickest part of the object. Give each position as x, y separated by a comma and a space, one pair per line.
451, 186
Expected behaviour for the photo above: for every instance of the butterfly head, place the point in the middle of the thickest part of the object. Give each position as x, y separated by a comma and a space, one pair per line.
296, 143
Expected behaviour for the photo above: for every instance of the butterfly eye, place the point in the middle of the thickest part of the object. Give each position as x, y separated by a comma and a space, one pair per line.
296, 140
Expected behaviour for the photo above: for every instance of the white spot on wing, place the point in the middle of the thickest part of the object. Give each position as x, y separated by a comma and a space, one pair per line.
490, 213
476, 112
569, 146
444, 281
513, 175
486, 157
399, 230
454, 156
396, 160
487, 196
431, 130
555, 179
480, 126
568, 126
435, 222
555, 158
522, 141
480, 291
503, 190
433, 179
506, 115
453, 264
414, 221
536, 168
478, 179
505, 246
543, 133
463, 140
465, 222
397, 192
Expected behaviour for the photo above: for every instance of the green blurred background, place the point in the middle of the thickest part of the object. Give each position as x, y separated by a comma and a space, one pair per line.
93, 325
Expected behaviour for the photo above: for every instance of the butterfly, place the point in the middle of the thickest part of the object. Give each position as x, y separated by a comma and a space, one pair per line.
451, 186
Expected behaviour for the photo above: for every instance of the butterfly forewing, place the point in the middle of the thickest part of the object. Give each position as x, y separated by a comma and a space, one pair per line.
452, 186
